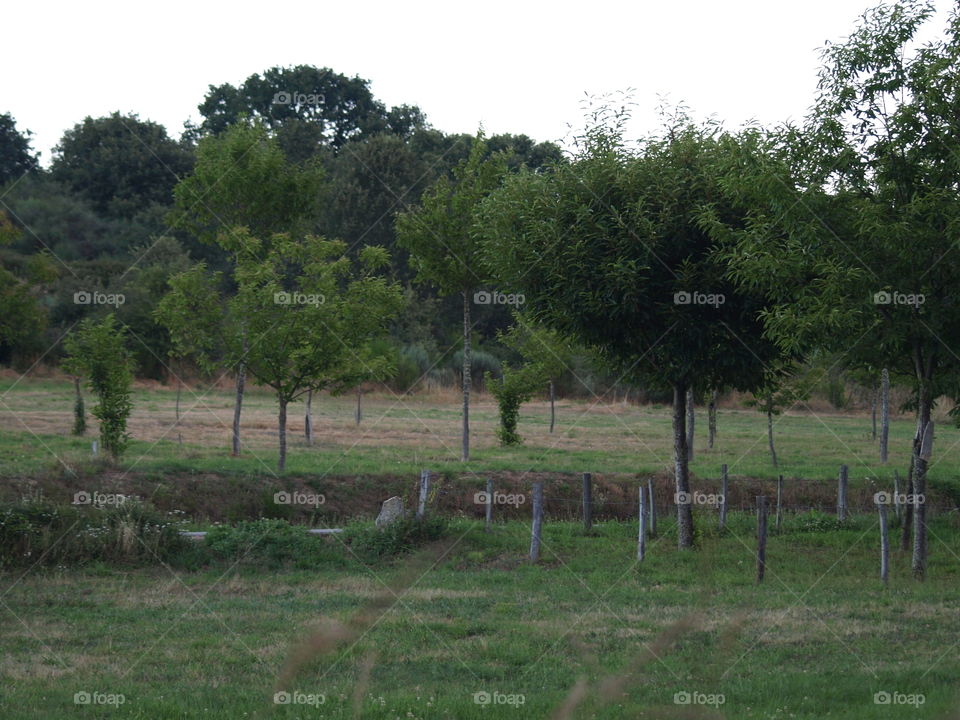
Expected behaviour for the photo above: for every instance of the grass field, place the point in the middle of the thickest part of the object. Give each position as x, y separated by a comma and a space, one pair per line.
418, 636
818, 639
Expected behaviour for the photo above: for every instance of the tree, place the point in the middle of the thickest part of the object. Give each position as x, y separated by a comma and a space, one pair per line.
609, 250
98, 351
243, 180
120, 164
441, 237
786, 384
16, 155
307, 108
514, 387
310, 316
22, 315
852, 234
544, 347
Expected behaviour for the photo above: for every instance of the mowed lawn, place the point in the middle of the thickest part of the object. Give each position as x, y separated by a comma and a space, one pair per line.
818, 639
401, 434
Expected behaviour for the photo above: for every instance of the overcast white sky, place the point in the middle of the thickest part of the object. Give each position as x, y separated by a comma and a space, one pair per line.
520, 67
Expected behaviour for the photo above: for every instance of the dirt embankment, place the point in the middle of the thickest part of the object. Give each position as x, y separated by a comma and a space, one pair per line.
334, 499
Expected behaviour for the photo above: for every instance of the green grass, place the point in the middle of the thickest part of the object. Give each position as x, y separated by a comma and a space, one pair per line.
399, 435
816, 640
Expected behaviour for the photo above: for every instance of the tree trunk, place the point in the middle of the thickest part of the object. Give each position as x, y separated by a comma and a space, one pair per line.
359, 413
712, 419
884, 414
873, 416
179, 388
773, 450
691, 419
924, 411
308, 419
282, 427
237, 406
681, 470
552, 411
465, 453
920, 505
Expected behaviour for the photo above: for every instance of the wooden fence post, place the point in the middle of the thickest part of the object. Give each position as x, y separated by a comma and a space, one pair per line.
488, 520
724, 488
424, 492
653, 508
779, 501
761, 537
587, 502
884, 544
642, 535
896, 494
842, 494
537, 521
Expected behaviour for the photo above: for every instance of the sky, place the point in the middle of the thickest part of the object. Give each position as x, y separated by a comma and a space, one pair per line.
518, 67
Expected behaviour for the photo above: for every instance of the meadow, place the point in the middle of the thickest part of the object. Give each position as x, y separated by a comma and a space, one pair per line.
466, 627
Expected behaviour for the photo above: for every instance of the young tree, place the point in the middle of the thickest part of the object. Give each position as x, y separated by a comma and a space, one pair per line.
440, 235
98, 351
242, 180
514, 387
309, 316
608, 249
785, 385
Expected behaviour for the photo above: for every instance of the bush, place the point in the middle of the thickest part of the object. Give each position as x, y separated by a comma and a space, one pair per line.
271, 541
133, 532
370, 543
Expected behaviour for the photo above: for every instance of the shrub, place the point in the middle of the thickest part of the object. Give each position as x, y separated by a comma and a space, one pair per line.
370, 543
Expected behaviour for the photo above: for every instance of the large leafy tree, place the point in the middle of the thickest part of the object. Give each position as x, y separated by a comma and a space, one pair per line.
609, 250
120, 164
308, 108
440, 235
853, 236
16, 155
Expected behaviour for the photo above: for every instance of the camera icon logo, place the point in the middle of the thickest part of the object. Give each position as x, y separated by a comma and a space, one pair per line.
82, 498
882, 298
682, 498
82, 298
481, 698
882, 698
282, 298
282, 498
81, 698
681, 698
281, 698
481, 498
282, 98
482, 297
882, 498
682, 298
